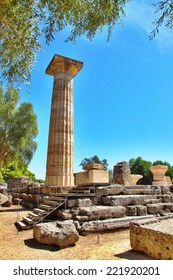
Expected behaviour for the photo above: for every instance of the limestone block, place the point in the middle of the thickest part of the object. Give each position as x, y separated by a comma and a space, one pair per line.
10, 197
168, 180
81, 218
60, 233
99, 226
7, 203
155, 208
71, 203
93, 176
155, 239
102, 212
3, 198
160, 183
165, 189
64, 214
141, 210
134, 178
121, 173
36, 199
17, 201
85, 202
131, 210
168, 207
125, 200
81, 178
98, 176
95, 166
110, 190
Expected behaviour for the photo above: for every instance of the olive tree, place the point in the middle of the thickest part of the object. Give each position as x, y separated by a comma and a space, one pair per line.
18, 128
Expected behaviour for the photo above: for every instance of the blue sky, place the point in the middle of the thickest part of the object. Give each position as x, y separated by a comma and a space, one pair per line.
123, 96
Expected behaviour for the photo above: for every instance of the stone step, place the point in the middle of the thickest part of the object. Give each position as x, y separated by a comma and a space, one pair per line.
53, 203
125, 200
144, 187
28, 220
22, 225
80, 191
159, 208
40, 211
34, 215
46, 207
56, 198
137, 191
58, 195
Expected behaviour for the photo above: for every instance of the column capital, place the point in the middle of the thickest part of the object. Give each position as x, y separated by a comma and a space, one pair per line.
61, 64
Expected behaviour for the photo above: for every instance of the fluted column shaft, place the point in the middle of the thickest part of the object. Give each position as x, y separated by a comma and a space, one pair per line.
61, 139
60, 155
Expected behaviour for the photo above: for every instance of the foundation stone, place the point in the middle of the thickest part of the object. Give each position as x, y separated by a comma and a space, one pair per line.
155, 239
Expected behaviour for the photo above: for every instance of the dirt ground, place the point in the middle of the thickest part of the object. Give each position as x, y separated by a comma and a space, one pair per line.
21, 245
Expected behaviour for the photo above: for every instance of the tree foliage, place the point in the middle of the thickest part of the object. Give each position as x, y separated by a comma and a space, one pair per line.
164, 10
18, 128
23, 22
94, 159
15, 170
142, 167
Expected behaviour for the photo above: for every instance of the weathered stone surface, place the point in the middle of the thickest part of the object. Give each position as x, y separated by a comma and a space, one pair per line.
134, 178
95, 166
85, 202
159, 177
156, 239
131, 210
18, 182
60, 233
121, 173
10, 197
3, 198
141, 210
55, 190
7, 203
60, 156
110, 190
106, 225
102, 212
125, 200
155, 208
168, 180
168, 207
17, 201
3, 188
71, 203
165, 189
93, 176
64, 214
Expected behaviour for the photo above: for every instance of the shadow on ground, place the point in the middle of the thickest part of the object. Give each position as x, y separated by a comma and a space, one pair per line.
32, 243
132, 255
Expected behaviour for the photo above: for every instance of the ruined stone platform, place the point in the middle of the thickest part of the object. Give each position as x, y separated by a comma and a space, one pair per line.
154, 239
94, 208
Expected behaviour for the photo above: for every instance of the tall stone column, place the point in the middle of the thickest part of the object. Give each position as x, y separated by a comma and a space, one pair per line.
60, 155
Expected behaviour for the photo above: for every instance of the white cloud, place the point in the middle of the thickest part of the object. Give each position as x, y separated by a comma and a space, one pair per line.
141, 14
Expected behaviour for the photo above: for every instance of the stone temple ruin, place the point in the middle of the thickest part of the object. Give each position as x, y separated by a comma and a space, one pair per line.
84, 201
